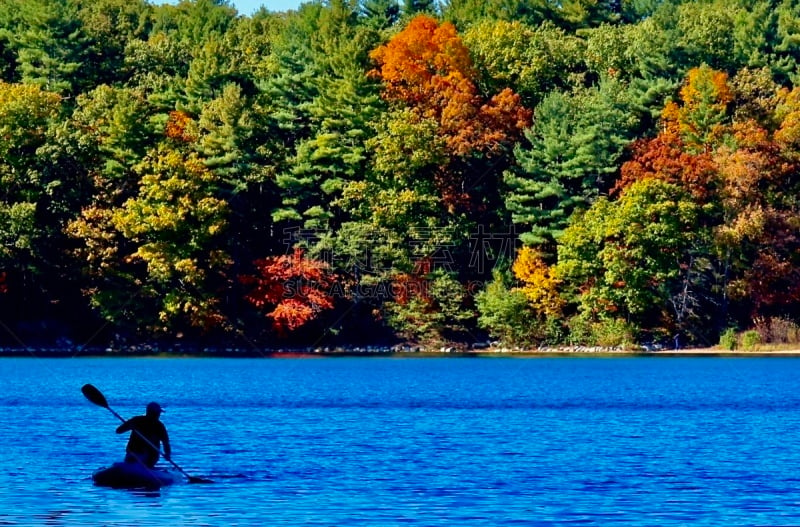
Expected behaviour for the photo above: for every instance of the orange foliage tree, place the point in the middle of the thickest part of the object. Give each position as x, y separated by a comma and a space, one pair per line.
760, 224
180, 127
294, 289
746, 179
427, 68
691, 129
700, 117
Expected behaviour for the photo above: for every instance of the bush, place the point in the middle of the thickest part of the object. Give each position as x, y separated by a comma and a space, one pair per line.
750, 339
727, 340
506, 314
428, 307
777, 330
609, 332
580, 331
613, 332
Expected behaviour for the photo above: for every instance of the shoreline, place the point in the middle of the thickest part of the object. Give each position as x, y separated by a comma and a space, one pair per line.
382, 351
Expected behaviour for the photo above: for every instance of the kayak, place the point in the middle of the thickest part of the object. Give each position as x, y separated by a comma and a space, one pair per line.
132, 476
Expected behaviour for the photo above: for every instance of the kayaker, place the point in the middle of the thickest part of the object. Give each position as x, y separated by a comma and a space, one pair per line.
148, 434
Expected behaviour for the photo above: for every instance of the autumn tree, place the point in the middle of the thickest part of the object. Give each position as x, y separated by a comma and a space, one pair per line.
436, 157
427, 69
732, 164
292, 289
664, 157
758, 237
26, 114
787, 113
690, 131
700, 117
157, 255
525, 306
540, 287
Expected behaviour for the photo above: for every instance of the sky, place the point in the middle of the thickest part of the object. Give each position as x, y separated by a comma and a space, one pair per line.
248, 7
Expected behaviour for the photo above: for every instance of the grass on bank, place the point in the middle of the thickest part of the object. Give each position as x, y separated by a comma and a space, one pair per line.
774, 334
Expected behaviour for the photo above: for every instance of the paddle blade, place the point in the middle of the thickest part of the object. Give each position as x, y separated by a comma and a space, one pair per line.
195, 479
94, 395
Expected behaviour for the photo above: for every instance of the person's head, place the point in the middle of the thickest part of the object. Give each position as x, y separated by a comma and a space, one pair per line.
154, 410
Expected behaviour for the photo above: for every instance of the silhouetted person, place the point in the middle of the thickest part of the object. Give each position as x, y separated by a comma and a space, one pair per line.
154, 432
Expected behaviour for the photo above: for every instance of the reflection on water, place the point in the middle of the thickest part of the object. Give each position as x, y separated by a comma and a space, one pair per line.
376, 441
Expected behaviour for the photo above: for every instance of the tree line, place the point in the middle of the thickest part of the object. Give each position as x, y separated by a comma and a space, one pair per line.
529, 171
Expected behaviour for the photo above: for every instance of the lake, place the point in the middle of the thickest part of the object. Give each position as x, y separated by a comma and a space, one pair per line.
411, 441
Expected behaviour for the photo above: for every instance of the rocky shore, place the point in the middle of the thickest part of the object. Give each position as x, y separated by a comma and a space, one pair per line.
478, 349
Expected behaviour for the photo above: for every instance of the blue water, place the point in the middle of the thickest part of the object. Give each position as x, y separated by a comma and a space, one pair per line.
412, 441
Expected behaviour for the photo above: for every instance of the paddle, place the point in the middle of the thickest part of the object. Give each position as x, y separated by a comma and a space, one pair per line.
96, 396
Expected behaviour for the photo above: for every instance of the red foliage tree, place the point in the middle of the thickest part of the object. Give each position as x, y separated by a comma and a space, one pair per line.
665, 158
407, 286
293, 288
773, 281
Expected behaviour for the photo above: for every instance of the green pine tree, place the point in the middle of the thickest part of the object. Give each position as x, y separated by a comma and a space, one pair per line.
574, 149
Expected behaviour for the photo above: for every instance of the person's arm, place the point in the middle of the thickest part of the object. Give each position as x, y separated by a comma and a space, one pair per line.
167, 447
124, 427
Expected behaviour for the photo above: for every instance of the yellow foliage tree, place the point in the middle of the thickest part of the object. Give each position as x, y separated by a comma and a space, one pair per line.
540, 286
788, 113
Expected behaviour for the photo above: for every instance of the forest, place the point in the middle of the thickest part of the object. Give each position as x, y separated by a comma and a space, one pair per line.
529, 172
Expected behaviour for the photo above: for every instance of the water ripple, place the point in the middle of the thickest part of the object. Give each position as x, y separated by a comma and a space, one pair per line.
374, 443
